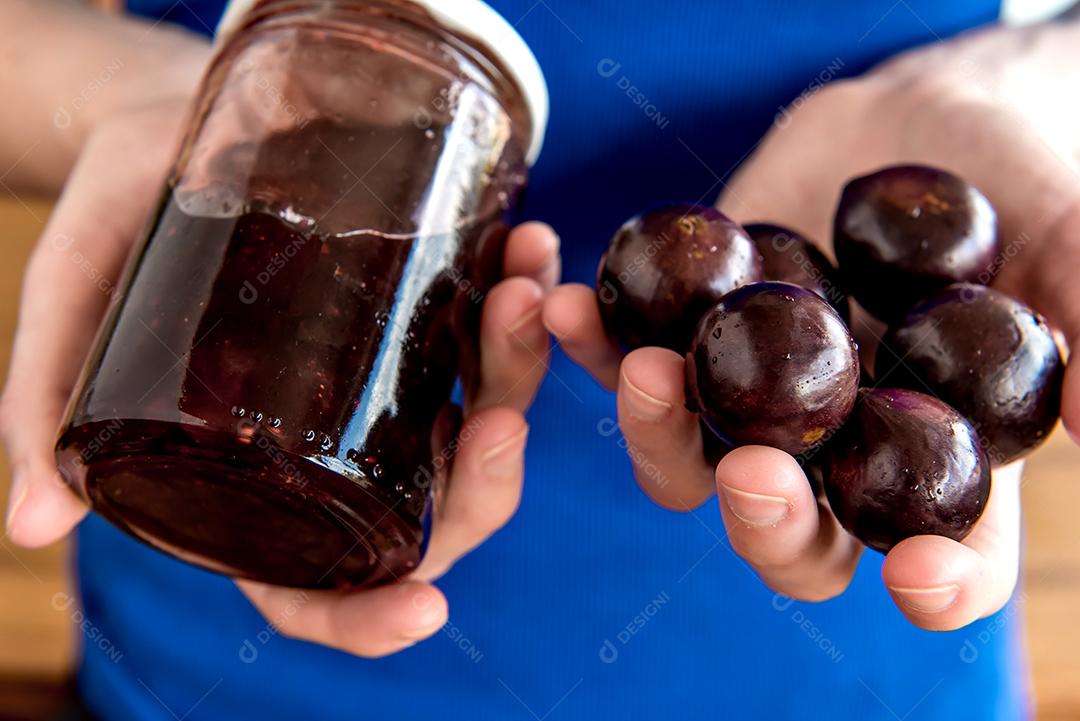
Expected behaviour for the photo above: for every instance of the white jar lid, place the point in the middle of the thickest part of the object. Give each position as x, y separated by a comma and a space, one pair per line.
470, 18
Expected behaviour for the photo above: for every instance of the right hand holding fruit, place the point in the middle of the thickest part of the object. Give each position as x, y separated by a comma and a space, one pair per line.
956, 105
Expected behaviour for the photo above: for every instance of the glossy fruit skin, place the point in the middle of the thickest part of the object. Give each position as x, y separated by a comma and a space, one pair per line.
665, 268
985, 354
906, 464
790, 257
773, 364
904, 232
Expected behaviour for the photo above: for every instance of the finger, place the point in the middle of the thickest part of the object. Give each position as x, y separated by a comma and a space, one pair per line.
370, 623
58, 315
774, 521
483, 490
66, 290
663, 438
532, 251
1048, 284
572, 316
1070, 399
514, 346
42, 508
941, 585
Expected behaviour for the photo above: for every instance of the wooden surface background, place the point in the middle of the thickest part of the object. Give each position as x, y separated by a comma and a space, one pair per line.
37, 641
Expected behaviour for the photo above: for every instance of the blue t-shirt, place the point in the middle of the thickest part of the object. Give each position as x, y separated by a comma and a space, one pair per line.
593, 603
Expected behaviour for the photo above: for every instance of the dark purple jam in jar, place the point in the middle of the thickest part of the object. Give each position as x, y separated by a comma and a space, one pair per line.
270, 396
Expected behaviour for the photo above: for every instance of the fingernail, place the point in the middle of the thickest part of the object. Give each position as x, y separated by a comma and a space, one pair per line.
419, 634
755, 509
19, 491
927, 600
643, 406
421, 602
505, 459
556, 245
558, 241
415, 637
552, 268
524, 321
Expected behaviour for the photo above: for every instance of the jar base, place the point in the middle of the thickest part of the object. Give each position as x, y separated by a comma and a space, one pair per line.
228, 506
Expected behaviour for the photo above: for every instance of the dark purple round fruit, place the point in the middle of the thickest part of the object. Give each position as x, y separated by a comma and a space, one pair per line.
790, 257
904, 232
665, 268
773, 364
905, 464
988, 356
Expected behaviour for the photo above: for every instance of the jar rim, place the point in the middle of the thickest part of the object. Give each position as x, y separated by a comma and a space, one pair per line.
472, 20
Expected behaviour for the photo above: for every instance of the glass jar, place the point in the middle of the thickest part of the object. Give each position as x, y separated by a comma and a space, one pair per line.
270, 396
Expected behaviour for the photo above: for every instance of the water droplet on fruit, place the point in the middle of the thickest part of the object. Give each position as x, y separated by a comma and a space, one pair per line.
399, 487
326, 444
239, 411
429, 134
309, 436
